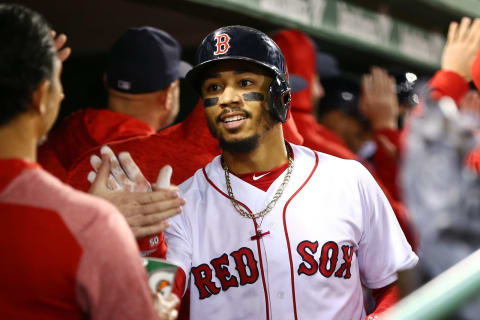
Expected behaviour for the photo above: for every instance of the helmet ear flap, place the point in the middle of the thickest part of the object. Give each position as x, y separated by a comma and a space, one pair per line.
279, 97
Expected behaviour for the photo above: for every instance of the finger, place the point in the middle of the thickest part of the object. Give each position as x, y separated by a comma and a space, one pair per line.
368, 83
452, 32
378, 79
115, 168
131, 168
64, 54
60, 41
91, 176
475, 33
160, 208
155, 196
111, 182
164, 176
145, 221
463, 29
99, 184
474, 29
141, 232
95, 162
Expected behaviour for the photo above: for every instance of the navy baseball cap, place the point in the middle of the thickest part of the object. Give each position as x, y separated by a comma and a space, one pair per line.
341, 94
144, 60
327, 66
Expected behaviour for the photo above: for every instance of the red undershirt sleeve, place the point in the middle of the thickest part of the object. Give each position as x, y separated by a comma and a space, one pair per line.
386, 159
384, 298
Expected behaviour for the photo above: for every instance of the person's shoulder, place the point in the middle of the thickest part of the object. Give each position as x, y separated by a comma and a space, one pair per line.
68, 202
324, 159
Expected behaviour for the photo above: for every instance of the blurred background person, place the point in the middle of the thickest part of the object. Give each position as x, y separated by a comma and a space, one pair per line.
142, 79
441, 185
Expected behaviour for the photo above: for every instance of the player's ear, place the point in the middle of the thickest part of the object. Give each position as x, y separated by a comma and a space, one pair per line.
167, 96
40, 97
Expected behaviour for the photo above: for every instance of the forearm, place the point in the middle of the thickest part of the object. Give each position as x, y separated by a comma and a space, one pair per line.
384, 298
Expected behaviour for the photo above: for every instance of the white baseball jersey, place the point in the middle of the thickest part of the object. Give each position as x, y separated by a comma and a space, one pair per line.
330, 232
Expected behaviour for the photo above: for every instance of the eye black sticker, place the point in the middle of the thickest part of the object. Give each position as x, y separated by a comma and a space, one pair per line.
210, 102
253, 96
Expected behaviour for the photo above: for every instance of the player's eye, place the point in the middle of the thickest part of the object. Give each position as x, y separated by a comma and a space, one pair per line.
245, 83
214, 87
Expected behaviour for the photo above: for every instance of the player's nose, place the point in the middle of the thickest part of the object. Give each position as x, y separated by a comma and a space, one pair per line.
229, 96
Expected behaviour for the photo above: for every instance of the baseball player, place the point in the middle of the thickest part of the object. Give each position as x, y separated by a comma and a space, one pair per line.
65, 254
272, 230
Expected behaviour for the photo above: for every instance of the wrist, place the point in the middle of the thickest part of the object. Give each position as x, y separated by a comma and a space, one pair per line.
465, 75
384, 124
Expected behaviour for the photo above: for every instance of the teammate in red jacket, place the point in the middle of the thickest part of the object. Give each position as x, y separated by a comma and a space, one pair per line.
143, 97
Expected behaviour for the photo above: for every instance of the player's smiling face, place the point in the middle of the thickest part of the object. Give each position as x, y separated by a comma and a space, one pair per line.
236, 108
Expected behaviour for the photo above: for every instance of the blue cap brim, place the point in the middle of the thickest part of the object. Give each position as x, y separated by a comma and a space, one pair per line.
183, 68
297, 83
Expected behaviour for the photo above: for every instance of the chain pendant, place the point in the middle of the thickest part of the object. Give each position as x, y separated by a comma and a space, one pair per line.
271, 204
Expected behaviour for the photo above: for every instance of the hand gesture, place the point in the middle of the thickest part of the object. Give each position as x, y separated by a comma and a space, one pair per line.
379, 102
127, 189
463, 43
166, 306
62, 52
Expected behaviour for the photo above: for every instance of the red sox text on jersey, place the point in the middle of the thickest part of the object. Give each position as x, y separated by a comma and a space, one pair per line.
246, 265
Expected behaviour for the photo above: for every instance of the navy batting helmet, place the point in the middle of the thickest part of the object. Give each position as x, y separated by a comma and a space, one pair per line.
246, 44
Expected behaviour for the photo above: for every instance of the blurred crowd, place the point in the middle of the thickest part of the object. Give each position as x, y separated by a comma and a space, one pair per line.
417, 136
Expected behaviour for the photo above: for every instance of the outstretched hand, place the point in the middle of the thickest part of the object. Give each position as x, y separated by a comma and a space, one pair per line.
379, 102
124, 185
463, 43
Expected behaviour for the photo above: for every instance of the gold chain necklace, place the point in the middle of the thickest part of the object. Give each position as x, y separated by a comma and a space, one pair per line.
272, 203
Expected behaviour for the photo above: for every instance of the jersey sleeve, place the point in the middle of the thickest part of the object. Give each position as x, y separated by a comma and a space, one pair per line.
111, 280
178, 237
383, 249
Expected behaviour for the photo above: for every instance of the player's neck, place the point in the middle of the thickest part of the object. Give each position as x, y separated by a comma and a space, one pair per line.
269, 154
18, 139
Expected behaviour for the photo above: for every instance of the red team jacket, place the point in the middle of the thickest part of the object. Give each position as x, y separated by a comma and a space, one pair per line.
65, 254
82, 131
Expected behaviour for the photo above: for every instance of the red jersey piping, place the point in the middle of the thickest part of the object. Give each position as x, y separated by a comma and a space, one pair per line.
288, 240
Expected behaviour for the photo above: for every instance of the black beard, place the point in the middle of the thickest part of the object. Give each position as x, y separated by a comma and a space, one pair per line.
240, 146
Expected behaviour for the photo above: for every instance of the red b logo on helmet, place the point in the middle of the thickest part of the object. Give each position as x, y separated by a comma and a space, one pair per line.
222, 44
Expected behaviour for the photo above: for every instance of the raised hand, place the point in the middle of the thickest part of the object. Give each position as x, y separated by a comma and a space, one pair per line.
379, 102
62, 52
463, 43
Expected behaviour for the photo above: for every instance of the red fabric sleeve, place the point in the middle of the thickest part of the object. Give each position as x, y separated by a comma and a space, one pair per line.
290, 131
178, 289
473, 160
384, 298
448, 83
386, 159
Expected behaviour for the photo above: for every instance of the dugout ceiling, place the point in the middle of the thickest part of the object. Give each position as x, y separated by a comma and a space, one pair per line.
397, 34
